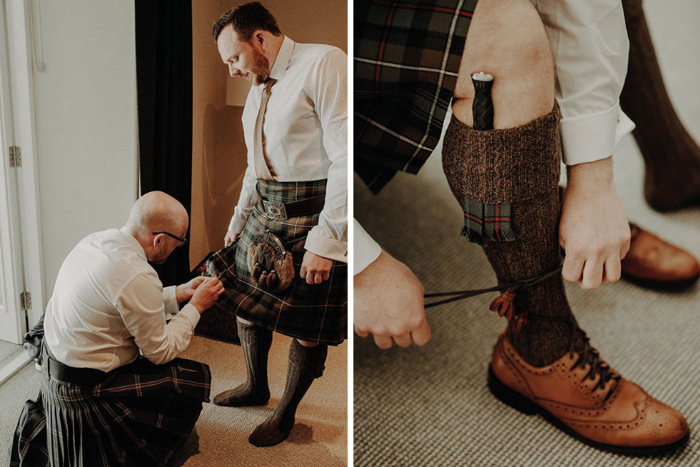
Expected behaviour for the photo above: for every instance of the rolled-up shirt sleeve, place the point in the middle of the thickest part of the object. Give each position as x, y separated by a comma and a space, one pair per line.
329, 237
142, 307
591, 48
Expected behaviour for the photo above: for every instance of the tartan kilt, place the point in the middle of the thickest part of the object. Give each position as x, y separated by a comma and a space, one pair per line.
316, 312
407, 57
139, 416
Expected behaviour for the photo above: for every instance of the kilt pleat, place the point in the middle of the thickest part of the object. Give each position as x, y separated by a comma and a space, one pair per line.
139, 416
316, 312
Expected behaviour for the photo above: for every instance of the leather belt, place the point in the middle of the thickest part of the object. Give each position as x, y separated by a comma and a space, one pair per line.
77, 376
278, 211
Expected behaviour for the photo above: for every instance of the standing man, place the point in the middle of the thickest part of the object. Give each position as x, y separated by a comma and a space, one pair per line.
295, 191
101, 403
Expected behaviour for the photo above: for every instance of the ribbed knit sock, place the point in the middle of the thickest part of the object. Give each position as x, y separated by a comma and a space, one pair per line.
520, 166
255, 342
671, 156
305, 365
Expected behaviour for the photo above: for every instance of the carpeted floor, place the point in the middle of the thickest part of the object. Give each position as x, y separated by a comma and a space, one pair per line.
319, 437
431, 405
8, 351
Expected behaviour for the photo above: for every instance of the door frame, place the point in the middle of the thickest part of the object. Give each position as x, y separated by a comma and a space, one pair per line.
20, 40
12, 322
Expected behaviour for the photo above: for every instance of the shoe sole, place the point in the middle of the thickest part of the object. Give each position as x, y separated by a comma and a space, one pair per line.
524, 405
670, 286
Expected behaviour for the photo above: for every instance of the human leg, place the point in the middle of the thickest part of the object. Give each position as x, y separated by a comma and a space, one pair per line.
671, 155
549, 366
306, 363
507, 39
255, 342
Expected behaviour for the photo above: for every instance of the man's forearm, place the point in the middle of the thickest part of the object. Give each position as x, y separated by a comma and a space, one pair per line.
591, 175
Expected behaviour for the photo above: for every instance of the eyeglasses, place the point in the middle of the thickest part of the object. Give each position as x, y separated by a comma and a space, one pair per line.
181, 240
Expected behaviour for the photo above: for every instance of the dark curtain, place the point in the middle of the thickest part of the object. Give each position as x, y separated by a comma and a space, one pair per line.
164, 85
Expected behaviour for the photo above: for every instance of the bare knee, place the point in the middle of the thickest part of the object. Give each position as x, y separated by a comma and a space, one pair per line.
507, 39
307, 343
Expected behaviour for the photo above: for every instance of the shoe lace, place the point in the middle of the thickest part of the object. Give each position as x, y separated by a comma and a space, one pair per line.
587, 355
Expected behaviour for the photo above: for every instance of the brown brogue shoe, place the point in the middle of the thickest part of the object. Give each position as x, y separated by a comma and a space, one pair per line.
583, 396
654, 263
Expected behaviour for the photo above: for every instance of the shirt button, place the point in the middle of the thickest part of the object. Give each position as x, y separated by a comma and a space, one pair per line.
346, 253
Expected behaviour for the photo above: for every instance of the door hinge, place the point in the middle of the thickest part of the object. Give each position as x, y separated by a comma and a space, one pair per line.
25, 299
15, 156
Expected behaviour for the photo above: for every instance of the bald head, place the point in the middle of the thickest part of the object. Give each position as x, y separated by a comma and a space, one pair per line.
157, 212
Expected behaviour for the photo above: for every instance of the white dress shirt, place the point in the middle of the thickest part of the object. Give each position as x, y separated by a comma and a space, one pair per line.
591, 48
108, 303
305, 133
590, 45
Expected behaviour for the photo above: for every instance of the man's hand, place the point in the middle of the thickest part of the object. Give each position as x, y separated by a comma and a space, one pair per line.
207, 294
594, 230
185, 291
389, 304
230, 237
315, 269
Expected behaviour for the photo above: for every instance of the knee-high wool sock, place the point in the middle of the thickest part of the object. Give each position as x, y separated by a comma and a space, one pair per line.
520, 166
255, 342
671, 156
305, 365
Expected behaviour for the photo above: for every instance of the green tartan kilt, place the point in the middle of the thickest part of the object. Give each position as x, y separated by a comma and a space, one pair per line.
311, 312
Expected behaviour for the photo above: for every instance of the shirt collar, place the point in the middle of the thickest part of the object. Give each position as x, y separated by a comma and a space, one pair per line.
133, 242
282, 61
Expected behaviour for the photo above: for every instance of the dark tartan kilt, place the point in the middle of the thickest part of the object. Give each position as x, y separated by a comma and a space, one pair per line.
139, 416
316, 312
407, 57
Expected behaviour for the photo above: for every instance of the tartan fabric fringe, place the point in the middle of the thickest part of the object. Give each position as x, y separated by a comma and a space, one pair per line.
487, 221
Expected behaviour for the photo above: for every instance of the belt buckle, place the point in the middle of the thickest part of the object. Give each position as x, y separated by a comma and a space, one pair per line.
275, 211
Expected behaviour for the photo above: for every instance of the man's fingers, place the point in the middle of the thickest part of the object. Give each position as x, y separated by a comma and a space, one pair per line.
326, 274
383, 342
318, 278
572, 268
625, 249
198, 281
302, 273
421, 335
592, 274
613, 270
361, 333
404, 340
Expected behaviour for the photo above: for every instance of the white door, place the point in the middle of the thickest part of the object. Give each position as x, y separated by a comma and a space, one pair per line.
12, 321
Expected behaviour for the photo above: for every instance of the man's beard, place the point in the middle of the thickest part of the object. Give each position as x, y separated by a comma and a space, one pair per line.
260, 68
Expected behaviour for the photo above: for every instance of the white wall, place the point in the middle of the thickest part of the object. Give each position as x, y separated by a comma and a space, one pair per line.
86, 127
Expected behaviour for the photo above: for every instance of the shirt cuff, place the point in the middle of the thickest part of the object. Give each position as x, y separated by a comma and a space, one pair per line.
589, 138
237, 224
366, 250
170, 301
326, 247
191, 313
625, 125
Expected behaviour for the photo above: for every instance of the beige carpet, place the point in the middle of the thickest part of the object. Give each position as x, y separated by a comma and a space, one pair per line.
319, 437
8, 351
431, 406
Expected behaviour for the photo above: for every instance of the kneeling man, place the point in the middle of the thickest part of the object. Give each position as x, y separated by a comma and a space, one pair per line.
101, 403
